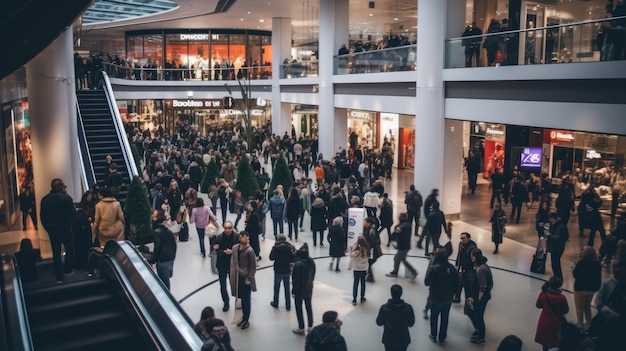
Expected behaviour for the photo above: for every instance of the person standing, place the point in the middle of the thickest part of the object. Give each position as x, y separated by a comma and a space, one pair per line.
496, 184
114, 180
541, 218
277, 209
472, 165
253, 226
587, 280
283, 256
386, 217
201, 215
108, 221
396, 317
373, 241
434, 222
326, 336
403, 235
164, 250
223, 197
337, 240
359, 262
443, 282
413, 201
303, 276
481, 294
428, 206
243, 269
465, 266
590, 202
292, 213
498, 221
57, 211
519, 195
224, 248
27, 207
319, 220
554, 306
609, 301
557, 237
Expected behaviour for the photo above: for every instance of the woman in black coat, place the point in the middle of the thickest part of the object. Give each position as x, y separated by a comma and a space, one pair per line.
252, 227
319, 220
337, 241
293, 212
386, 216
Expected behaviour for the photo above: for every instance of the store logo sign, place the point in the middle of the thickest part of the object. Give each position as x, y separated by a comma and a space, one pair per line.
494, 131
187, 103
530, 158
561, 136
591, 154
194, 37
362, 115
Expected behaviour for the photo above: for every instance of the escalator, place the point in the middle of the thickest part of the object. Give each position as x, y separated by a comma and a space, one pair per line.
121, 305
101, 133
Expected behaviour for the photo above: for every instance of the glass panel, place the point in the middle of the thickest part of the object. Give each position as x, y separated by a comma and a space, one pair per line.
266, 57
153, 51
176, 56
199, 59
219, 56
237, 54
375, 61
254, 56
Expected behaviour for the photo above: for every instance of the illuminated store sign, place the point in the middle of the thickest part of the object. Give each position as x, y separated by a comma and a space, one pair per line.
591, 154
194, 37
494, 131
530, 158
197, 103
362, 115
561, 136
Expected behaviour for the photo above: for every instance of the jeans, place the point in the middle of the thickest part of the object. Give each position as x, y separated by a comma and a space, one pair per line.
309, 311
293, 227
359, 276
165, 270
237, 220
284, 278
64, 236
516, 210
223, 276
555, 261
439, 309
401, 257
435, 237
414, 215
244, 292
278, 225
315, 237
592, 234
33, 217
201, 240
477, 315
224, 209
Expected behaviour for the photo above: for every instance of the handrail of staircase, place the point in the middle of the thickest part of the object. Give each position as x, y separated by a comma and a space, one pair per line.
167, 324
87, 172
15, 334
119, 128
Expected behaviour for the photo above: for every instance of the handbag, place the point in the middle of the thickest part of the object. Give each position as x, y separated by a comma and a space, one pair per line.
561, 316
538, 264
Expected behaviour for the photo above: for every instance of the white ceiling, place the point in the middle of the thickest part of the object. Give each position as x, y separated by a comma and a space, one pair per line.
257, 14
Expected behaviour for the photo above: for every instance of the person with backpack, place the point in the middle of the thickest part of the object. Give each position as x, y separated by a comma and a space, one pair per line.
413, 201
326, 336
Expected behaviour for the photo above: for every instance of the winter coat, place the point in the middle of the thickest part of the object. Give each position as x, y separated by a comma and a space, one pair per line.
109, 220
302, 277
396, 316
558, 237
587, 275
370, 199
283, 255
358, 262
337, 206
325, 337
243, 265
337, 240
549, 324
293, 209
277, 207
386, 214
319, 216
498, 220
225, 242
164, 246
443, 281
56, 211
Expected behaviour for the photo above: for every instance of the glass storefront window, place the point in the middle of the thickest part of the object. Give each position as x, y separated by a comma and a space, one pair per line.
153, 49
237, 52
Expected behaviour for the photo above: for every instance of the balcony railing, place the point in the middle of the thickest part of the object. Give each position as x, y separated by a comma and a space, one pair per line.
588, 41
305, 69
187, 74
396, 59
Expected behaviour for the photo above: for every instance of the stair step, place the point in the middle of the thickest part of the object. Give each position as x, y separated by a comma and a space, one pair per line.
100, 340
40, 309
84, 287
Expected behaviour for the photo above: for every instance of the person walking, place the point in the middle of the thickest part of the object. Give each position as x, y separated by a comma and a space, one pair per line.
243, 269
557, 236
303, 276
373, 241
590, 202
465, 266
223, 246
443, 282
472, 165
319, 220
108, 221
202, 215
277, 209
396, 317
498, 221
223, 197
587, 279
553, 308
403, 235
253, 226
386, 217
428, 206
292, 213
413, 201
496, 184
435, 221
57, 211
283, 256
519, 195
481, 294
27, 207
326, 336
164, 252
359, 262
337, 240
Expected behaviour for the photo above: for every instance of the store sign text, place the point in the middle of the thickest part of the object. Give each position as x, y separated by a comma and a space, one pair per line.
531, 158
194, 37
591, 154
196, 103
560, 136
494, 131
362, 115
238, 112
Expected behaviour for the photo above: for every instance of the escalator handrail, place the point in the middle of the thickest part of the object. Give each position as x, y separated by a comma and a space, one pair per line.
87, 171
165, 321
119, 128
17, 329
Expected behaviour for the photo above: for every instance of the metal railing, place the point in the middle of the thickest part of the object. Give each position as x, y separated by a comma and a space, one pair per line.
587, 41
87, 173
403, 58
304, 69
188, 74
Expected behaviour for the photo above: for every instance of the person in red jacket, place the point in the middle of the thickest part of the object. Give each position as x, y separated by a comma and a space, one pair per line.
554, 306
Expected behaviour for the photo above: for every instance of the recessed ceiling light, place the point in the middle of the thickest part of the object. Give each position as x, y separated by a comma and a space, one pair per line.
395, 19
262, 20
242, 20
371, 14
248, 12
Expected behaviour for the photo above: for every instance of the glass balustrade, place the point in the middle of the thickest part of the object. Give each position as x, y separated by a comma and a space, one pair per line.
299, 69
589, 41
180, 74
397, 59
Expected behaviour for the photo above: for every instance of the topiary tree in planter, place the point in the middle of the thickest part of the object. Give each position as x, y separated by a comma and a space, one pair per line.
136, 157
281, 176
246, 180
137, 213
210, 173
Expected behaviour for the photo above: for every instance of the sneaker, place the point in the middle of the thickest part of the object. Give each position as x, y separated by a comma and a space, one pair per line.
354, 302
441, 341
225, 308
478, 341
425, 314
301, 229
433, 338
391, 274
337, 269
298, 331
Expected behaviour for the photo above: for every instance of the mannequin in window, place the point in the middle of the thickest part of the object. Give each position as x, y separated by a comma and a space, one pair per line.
529, 51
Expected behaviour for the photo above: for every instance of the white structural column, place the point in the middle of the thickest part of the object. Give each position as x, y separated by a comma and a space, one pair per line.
341, 130
333, 29
52, 113
281, 49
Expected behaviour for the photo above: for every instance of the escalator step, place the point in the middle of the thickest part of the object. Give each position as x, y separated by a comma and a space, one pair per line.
102, 340
44, 308
88, 320
82, 288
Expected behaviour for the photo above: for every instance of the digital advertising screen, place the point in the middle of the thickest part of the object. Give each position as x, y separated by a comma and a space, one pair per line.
530, 159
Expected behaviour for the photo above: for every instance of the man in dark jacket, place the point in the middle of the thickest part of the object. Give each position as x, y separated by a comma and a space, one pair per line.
465, 266
57, 211
277, 209
435, 221
481, 294
224, 248
164, 250
518, 196
27, 207
302, 291
326, 336
443, 280
396, 316
430, 201
413, 201
403, 234
556, 239
373, 240
282, 255
114, 180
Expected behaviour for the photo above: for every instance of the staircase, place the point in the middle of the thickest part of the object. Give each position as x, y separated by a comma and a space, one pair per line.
84, 315
101, 136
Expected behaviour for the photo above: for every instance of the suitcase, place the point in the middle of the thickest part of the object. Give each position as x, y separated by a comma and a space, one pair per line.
538, 264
